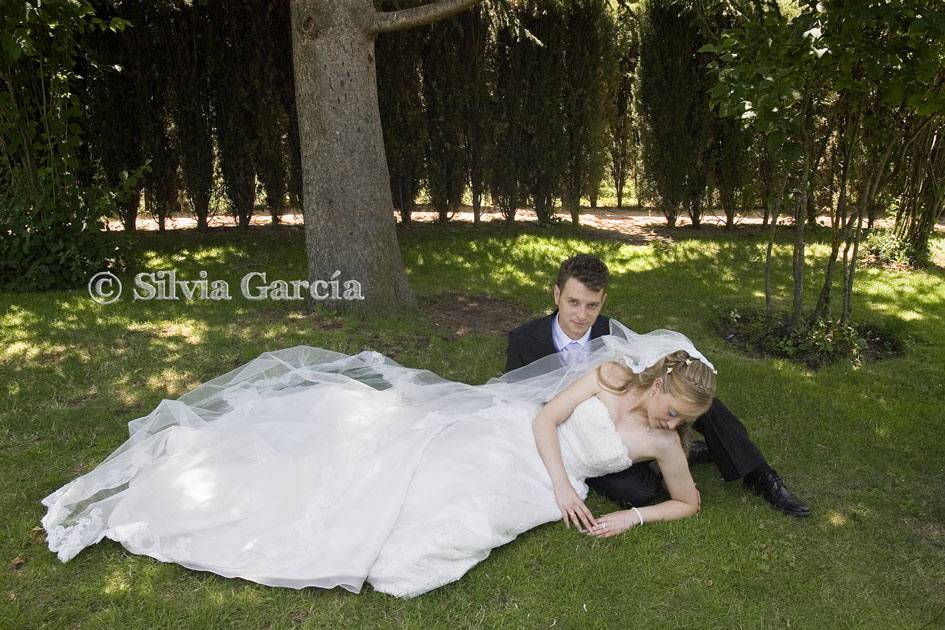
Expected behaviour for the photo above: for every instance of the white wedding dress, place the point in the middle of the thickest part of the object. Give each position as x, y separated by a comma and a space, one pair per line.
307, 467
334, 482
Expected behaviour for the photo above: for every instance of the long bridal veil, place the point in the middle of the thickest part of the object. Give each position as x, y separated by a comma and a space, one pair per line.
381, 406
541, 380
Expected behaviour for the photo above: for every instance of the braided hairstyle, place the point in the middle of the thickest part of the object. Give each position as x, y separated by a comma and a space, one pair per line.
686, 378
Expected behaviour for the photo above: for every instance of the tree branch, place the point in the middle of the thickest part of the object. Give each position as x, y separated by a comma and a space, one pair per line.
387, 22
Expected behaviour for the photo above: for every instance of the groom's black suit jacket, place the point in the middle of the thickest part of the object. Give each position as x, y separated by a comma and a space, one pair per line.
725, 435
533, 341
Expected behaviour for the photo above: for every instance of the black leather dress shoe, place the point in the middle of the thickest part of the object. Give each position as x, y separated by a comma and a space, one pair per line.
769, 485
699, 453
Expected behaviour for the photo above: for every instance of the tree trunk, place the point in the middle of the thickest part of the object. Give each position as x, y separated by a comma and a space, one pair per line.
671, 214
475, 185
840, 223
772, 232
574, 206
764, 172
347, 205
851, 269
800, 210
728, 203
201, 206
129, 212
695, 212
841, 229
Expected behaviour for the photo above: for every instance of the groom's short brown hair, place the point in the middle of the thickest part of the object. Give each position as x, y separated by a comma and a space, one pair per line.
587, 269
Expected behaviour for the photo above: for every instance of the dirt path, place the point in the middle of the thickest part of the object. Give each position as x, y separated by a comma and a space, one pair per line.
632, 225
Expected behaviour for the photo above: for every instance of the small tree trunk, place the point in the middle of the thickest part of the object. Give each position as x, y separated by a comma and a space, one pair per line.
798, 259
800, 210
671, 215
811, 210
695, 211
162, 211
620, 180
840, 223
276, 209
129, 212
765, 174
772, 231
871, 217
402, 193
730, 217
200, 204
841, 230
574, 205
475, 190
851, 269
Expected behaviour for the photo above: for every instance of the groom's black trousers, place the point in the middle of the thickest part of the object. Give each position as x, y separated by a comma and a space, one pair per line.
729, 446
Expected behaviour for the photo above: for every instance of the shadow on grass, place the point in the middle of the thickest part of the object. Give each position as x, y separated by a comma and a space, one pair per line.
136, 352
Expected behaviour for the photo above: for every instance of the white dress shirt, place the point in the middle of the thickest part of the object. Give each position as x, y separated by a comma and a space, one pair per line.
570, 349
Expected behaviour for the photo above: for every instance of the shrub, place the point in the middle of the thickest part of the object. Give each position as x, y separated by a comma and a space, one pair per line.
51, 207
885, 247
816, 345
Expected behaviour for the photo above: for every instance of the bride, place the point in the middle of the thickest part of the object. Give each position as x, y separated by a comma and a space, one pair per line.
307, 467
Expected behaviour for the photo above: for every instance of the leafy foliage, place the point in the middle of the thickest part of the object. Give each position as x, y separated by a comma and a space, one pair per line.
886, 247
673, 107
623, 131
442, 81
841, 79
51, 203
824, 342
589, 68
402, 117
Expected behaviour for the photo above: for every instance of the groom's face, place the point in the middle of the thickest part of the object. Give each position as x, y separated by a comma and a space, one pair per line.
578, 307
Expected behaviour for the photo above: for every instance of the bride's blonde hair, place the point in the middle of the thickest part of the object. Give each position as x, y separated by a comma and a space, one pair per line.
686, 378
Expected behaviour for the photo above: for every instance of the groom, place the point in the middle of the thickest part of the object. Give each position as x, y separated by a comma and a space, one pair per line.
579, 294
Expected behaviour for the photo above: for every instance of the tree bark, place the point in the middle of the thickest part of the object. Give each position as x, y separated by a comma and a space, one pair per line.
129, 212
799, 223
347, 204
841, 228
800, 211
847, 140
417, 16
772, 233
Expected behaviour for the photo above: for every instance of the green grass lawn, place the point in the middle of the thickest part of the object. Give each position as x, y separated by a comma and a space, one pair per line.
865, 447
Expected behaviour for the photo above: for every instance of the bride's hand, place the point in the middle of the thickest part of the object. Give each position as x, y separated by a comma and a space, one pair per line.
573, 509
614, 523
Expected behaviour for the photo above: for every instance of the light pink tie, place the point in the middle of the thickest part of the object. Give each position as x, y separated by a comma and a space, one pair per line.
572, 352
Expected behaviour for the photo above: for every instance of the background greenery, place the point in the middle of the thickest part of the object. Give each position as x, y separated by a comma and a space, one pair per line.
807, 109
862, 446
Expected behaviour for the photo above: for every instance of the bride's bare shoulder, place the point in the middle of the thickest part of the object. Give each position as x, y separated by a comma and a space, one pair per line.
613, 377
